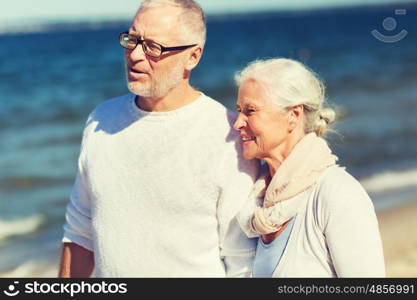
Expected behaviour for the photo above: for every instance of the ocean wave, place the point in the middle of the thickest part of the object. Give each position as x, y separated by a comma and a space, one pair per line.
29, 182
19, 226
46, 27
33, 269
390, 180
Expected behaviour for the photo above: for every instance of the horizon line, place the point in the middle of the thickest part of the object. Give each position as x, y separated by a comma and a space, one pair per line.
40, 24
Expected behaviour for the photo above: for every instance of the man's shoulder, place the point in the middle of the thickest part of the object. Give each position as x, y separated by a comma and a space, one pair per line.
219, 112
110, 115
112, 106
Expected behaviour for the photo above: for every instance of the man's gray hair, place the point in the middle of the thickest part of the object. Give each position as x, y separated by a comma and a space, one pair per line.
192, 19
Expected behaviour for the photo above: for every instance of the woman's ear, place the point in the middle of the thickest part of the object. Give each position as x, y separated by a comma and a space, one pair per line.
295, 117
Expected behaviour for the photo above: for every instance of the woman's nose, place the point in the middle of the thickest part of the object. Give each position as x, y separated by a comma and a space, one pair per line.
240, 122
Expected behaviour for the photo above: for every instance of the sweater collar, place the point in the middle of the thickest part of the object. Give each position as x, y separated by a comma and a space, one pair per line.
156, 116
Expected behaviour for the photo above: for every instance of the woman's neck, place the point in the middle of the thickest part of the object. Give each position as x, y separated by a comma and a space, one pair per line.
276, 157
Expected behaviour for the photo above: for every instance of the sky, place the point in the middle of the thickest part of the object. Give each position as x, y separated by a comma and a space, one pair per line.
33, 11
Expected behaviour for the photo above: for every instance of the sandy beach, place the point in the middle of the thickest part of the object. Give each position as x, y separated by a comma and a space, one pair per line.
399, 237
398, 228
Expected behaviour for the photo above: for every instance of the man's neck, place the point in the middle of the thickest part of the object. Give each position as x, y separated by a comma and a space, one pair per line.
179, 96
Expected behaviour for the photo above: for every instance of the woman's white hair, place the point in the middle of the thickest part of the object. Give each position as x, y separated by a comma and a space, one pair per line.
192, 19
288, 83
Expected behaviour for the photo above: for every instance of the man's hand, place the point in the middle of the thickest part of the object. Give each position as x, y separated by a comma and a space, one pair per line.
76, 261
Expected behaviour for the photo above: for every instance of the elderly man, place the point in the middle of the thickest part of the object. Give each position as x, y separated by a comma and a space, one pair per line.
160, 176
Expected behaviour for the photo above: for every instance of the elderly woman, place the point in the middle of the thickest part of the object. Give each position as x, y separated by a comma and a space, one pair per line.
314, 219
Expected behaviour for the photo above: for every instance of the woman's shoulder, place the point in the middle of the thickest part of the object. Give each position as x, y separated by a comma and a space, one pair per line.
337, 187
337, 178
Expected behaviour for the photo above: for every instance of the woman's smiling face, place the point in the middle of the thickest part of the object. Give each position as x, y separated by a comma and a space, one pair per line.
263, 126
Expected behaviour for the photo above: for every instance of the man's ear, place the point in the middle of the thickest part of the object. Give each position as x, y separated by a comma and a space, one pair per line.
194, 58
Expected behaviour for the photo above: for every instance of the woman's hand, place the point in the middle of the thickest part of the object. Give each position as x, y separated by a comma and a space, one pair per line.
270, 237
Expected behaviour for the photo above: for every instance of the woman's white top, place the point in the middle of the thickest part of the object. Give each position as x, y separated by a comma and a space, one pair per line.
335, 232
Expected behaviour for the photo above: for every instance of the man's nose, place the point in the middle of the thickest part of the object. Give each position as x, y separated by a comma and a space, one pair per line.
137, 53
240, 122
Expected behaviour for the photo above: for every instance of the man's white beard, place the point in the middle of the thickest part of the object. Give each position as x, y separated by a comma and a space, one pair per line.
158, 87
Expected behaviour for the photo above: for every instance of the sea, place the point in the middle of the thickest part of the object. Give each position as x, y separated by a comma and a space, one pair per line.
51, 79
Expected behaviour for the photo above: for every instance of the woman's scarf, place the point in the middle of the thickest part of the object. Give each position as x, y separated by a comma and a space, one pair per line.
297, 173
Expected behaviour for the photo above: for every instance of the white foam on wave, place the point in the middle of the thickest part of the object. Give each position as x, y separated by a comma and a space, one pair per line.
33, 269
390, 180
19, 226
55, 25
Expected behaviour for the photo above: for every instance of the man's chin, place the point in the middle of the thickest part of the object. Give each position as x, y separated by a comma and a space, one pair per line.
139, 90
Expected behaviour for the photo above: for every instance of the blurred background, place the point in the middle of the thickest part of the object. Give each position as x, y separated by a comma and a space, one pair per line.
59, 59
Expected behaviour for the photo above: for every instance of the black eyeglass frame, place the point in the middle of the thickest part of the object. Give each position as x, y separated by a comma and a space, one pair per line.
163, 48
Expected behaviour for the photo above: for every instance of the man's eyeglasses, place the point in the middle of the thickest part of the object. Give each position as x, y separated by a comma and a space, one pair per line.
150, 48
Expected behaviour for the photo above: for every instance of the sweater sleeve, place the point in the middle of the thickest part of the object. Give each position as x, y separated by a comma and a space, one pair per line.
77, 228
236, 177
351, 228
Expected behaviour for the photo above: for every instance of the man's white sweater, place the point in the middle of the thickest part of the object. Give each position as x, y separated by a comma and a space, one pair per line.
157, 193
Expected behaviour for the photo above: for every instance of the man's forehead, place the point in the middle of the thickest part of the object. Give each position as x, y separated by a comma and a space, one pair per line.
157, 23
